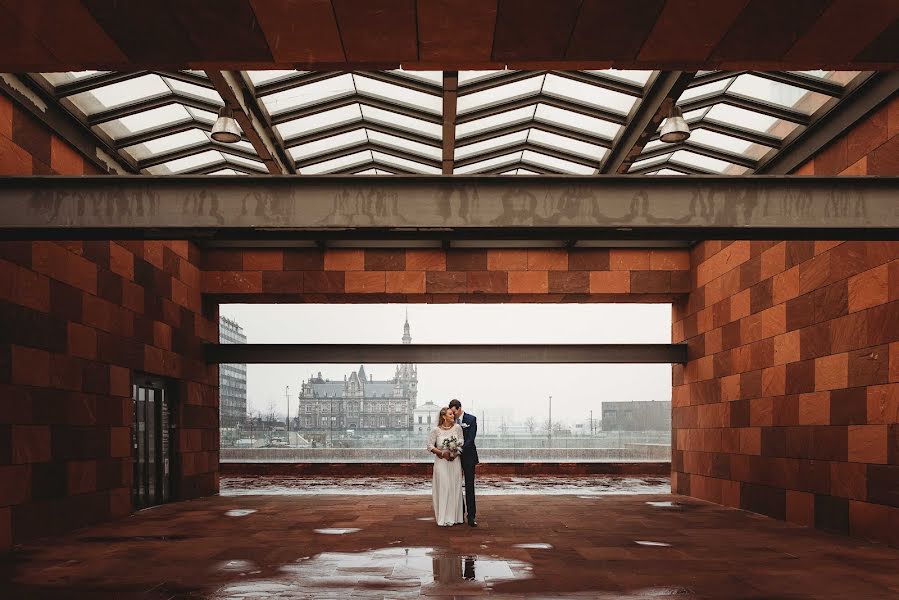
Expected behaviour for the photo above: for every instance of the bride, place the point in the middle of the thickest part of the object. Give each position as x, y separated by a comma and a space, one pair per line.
447, 484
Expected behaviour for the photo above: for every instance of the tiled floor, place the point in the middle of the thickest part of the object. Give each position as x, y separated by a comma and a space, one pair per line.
352, 546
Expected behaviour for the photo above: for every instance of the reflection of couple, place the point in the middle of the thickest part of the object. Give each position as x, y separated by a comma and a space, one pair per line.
455, 454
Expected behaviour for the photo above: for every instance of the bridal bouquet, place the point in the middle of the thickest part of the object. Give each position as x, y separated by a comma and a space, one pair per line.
452, 444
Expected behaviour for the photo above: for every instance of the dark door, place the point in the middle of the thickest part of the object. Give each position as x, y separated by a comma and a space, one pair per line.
151, 446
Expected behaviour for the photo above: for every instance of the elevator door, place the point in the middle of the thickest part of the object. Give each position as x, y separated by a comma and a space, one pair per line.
150, 436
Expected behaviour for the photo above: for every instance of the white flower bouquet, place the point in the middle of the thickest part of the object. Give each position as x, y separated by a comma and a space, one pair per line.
452, 444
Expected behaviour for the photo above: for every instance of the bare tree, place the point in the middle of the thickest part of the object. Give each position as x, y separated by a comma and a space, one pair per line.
531, 424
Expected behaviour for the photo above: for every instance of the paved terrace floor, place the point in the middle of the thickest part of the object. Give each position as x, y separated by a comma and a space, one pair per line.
387, 546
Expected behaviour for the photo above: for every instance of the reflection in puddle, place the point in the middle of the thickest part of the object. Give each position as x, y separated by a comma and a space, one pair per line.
239, 512
337, 530
240, 566
404, 571
649, 543
536, 546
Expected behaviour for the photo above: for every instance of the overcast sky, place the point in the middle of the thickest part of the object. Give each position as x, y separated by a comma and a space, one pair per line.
497, 392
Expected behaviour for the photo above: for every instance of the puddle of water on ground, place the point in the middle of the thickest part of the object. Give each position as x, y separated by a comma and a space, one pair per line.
337, 530
650, 543
535, 546
239, 512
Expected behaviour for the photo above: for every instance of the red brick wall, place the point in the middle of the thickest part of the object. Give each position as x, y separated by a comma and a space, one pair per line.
355, 275
789, 405
76, 319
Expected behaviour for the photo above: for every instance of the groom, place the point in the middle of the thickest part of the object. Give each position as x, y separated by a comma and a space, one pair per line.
469, 456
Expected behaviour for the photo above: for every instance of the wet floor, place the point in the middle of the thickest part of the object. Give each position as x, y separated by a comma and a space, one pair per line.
388, 546
486, 485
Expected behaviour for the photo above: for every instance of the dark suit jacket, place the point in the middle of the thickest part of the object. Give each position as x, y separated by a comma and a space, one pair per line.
469, 432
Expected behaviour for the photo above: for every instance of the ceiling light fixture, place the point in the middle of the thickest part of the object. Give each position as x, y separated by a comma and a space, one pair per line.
675, 128
225, 129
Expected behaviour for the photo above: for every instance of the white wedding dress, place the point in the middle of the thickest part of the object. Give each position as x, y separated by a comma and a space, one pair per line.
447, 483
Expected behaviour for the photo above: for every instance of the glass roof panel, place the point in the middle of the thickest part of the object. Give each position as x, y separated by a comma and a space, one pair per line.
491, 144
320, 121
748, 119
715, 87
500, 94
702, 162
328, 144
669, 172
194, 161
566, 144
434, 77
556, 164
240, 160
227, 172
398, 94
191, 89
638, 77
143, 121
56, 79
503, 119
408, 165
119, 94
168, 143
309, 94
585, 93
392, 141
717, 140
201, 115
655, 160
386, 117
469, 77
486, 165
261, 77
338, 164
778, 93
576, 121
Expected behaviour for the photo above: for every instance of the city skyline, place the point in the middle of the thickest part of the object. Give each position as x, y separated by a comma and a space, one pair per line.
498, 392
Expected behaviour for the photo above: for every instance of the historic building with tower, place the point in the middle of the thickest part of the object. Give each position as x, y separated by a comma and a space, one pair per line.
360, 403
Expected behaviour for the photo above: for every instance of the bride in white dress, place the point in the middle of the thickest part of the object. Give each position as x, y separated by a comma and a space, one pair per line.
447, 483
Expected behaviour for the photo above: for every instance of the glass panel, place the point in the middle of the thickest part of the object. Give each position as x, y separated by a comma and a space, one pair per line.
646, 162
435, 77
747, 119
576, 121
668, 172
486, 165
566, 144
260, 77
590, 95
556, 164
391, 141
715, 87
399, 95
519, 115
168, 143
201, 115
118, 94
386, 117
144, 121
227, 172
500, 94
491, 144
338, 164
240, 160
704, 162
309, 94
408, 165
328, 144
187, 163
320, 121
638, 77
189, 89
56, 79
468, 77
778, 93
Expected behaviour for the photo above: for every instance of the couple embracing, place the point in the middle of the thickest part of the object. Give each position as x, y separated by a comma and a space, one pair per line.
455, 456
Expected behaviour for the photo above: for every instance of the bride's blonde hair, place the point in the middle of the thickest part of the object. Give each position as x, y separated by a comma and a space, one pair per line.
442, 415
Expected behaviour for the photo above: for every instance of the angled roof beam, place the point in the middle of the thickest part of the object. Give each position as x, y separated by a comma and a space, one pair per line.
521, 147
497, 81
450, 97
223, 164
644, 120
830, 121
149, 103
363, 146
521, 164
610, 83
374, 164
323, 134
745, 102
166, 130
185, 77
351, 99
239, 97
673, 165
574, 134
86, 84
158, 159
806, 82
712, 77
547, 99
37, 101
418, 85
747, 135
702, 150
289, 82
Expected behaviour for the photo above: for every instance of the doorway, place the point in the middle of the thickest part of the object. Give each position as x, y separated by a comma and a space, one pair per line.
151, 438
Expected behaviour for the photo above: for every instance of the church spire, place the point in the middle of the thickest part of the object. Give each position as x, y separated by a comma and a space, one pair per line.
407, 337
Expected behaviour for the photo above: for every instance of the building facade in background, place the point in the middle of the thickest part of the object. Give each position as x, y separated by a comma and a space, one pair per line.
360, 403
638, 415
232, 378
424, 417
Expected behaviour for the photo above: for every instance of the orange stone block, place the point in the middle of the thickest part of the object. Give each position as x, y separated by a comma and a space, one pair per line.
786, 286
832, 372
64, 159
344, 259
365, 282
121, 261
729, 258
774, 321
528, 282
848, 480
869, 521
547, 260
868, 443
405, 282
856, 169
801, 508
883, 404
669, 260
750, 440
263, 260
713, 341
739, 305
82, 341
5, 118
629, 259
868, 289
814, 408
608, 282
894, 362
119, 381
774, 260
774, 381
761, 412
730, 388
425, 260
507, 260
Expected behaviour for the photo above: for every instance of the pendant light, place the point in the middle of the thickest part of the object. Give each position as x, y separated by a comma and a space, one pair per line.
675, 128
225, 129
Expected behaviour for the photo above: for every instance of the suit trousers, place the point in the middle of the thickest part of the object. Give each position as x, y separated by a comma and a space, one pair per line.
468, 474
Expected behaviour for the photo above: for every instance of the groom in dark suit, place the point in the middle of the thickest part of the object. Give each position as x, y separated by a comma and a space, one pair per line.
469, 456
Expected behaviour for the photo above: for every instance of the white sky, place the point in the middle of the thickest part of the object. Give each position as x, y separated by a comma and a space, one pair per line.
511, 392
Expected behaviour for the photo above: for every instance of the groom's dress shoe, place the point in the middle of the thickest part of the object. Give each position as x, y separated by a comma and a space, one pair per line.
473, 523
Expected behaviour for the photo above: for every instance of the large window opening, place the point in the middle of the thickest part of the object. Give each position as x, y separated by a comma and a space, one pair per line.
364, 412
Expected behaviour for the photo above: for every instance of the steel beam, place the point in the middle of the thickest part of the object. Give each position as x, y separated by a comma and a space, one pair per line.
450, 97
445, 353
416, 207
239, 97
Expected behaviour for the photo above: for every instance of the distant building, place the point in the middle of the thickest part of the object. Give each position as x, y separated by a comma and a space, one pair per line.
360, 402
424, 417
232, 378
638, 415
